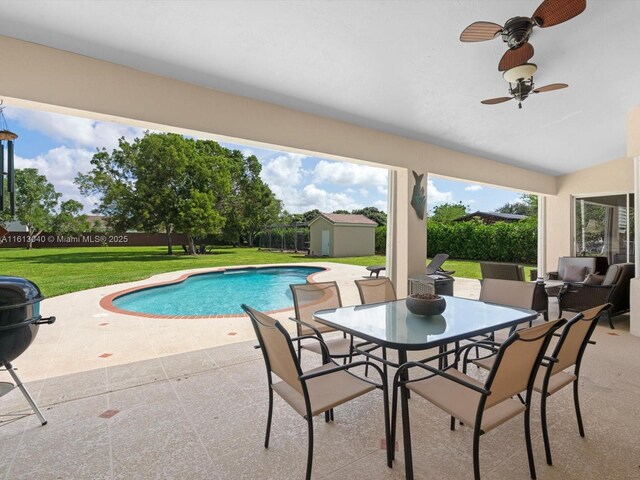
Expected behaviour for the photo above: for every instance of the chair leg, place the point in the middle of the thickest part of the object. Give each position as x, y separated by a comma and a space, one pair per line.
476, 452
310, 447
391, 446
24, 391
331, 414
327, 416
527, 434
453, 423
576, 402
610, 321
545, 432
269, 417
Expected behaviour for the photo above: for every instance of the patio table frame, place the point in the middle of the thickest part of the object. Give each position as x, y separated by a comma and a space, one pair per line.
391, 325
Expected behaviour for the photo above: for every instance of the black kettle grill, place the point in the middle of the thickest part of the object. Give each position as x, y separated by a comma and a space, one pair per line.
20, 320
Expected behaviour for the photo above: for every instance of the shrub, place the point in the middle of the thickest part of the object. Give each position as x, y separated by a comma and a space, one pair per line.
473, 240
381, 240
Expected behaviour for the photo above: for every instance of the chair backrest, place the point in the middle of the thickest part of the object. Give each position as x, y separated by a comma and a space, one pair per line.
588, 262
575, 336
507, 292
311, 297
277, 348
620, 295
504, 271
517, 361
436, 262
376, 290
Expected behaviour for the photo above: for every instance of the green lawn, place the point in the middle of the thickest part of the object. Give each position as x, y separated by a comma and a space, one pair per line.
65, 270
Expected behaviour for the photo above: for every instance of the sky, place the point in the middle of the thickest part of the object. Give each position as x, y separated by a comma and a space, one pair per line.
62, 146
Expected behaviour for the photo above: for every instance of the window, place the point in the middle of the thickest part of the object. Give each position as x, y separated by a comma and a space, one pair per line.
604, 227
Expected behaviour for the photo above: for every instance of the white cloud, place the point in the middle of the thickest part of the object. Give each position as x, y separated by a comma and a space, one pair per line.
380, 205
79, 132
61, 165
283, 170
314, 197
473, 188
471, 202
435, 196
364, 192
343, 173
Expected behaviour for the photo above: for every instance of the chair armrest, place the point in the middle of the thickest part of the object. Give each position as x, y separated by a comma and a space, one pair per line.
552, 275
441, 373
300, 322
338, 368
326, 356
484, 344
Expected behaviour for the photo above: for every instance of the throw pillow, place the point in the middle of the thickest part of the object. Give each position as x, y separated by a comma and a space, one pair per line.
593, 279
574, 273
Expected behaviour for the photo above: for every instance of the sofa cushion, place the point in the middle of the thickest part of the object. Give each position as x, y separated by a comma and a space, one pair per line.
574, 273
613, 272
593, 279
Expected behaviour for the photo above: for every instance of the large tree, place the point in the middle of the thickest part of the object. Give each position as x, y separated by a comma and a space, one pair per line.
36, 200
526, 205
70, 219
171, 183
448, 212
372, 213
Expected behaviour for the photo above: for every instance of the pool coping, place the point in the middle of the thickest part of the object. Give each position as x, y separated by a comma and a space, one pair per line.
106, 302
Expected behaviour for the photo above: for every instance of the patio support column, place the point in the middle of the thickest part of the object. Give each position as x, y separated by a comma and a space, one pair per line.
397, 230
633, 151
542, 236
634, 287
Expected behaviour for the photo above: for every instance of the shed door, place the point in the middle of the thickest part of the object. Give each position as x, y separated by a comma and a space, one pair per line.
325, 243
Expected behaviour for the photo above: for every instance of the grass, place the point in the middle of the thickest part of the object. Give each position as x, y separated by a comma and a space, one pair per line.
64, 270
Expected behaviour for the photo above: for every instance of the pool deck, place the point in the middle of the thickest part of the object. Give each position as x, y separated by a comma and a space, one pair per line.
88, 337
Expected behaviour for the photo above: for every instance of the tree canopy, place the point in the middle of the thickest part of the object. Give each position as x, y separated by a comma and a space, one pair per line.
527, 205
448, 212
167, 182
36, 200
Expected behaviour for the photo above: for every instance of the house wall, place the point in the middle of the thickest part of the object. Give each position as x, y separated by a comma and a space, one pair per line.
354, 240
315, 236
54, 80
615, 176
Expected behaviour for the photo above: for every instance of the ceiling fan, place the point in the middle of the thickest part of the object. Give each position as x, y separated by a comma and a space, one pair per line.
521, 85
517, 30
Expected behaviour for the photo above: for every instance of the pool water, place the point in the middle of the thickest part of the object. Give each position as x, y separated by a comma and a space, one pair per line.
219, 293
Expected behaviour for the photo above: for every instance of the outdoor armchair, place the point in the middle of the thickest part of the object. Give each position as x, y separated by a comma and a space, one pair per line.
376, 290
503, 271
482, 405
570, 266
567, 353
313, 392
309, 298
576, 297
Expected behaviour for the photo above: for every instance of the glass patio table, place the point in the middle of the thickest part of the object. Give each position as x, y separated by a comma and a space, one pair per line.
391, 325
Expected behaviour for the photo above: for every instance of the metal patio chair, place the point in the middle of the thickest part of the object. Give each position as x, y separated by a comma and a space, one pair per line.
309, 298
313, 392
483, 406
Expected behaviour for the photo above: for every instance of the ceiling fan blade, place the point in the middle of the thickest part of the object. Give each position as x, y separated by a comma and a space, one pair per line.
480, 31
493, 101
515, 57
553, 12
551, 87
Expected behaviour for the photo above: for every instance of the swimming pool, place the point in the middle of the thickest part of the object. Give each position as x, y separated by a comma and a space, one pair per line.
218, 293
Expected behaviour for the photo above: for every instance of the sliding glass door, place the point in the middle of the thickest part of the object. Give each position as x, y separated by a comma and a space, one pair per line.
604, 227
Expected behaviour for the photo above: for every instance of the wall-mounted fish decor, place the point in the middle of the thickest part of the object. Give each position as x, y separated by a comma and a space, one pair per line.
418, 198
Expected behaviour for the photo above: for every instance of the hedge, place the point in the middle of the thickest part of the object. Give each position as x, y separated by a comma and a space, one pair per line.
500, 242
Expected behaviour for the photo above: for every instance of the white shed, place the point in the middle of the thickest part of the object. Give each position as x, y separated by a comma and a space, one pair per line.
341, 235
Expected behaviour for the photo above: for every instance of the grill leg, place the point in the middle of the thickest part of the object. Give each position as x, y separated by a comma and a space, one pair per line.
24, 391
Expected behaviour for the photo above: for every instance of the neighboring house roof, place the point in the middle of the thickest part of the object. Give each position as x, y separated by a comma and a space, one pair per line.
344, 219
492, 216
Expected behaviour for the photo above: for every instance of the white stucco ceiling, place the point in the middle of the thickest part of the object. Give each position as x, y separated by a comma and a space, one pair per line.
395, 66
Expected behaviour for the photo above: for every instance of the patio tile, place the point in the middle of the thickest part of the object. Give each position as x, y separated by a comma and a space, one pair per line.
186, 363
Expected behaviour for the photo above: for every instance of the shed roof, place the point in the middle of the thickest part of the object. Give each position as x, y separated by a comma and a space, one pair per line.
345, 219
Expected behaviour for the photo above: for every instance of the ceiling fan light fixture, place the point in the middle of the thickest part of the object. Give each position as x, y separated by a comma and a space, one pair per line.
521, 72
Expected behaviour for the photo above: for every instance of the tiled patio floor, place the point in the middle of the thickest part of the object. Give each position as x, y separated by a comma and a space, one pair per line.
201, 415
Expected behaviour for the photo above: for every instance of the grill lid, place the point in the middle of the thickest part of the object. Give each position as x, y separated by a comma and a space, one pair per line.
18, 291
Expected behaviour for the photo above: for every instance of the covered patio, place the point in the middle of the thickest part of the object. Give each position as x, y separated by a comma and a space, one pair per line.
200, 412
151, 412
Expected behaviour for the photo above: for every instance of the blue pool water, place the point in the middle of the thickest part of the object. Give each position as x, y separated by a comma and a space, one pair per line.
219, 293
